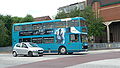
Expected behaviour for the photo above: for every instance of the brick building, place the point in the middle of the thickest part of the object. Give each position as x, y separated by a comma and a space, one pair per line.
68, 8
42, 18
110, 11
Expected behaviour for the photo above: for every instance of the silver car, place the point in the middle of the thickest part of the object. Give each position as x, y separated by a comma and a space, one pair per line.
27, 49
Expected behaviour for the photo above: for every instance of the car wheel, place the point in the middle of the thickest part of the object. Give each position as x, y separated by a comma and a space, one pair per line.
62, 50
14, 54
30, 54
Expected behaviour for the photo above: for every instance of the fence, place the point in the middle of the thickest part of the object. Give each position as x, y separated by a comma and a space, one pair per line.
5, 49
104, 45
94, 46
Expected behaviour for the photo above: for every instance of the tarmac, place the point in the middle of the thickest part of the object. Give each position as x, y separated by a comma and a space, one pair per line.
106, 63
94, 59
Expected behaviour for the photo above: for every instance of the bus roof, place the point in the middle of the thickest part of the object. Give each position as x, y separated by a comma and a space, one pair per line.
57, 20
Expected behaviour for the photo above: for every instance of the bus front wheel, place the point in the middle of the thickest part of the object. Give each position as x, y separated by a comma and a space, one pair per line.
62, 50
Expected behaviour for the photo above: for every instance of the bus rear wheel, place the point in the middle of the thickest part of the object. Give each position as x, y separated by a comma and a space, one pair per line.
62, 50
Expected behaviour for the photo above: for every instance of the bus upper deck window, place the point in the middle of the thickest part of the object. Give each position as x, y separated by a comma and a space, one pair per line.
36, 26
82, 23
26, 27
17, 28
48, 25
73, 23
61, 24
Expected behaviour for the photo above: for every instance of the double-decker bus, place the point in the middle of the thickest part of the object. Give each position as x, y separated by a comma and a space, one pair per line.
61, 35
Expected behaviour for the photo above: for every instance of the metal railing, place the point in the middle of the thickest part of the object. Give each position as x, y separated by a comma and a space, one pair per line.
104, 45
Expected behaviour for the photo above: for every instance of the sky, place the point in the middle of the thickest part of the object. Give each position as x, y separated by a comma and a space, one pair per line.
36, 8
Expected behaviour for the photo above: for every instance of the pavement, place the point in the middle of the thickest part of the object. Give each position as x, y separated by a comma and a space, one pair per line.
109, 63
94, 59
5, 49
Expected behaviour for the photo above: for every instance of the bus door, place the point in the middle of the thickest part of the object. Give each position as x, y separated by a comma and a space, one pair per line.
74, 42
84, 40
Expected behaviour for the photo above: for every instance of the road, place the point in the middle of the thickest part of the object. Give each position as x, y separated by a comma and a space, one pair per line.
94, 59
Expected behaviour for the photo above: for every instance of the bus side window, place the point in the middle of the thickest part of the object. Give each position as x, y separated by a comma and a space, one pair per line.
60, 24
37, 26
20, 40
16, 28
37, 40
83, 23
48, 25
48, 40
73, 23
26, 39
74, 38
26, 27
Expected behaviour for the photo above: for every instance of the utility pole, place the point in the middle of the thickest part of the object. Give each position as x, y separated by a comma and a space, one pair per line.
108, 30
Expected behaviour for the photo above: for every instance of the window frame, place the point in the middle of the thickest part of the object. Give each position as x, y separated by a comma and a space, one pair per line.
49, 39
17, 26
18, 45
76, 38
37, 25
37, 40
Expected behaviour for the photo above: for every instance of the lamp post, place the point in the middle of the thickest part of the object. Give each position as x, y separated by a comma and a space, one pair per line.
108, 30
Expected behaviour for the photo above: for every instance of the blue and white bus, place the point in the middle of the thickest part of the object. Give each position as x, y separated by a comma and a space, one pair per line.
61, 35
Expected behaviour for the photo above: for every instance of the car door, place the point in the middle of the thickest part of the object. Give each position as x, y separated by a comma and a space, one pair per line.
74, 42
24, 49
17, 48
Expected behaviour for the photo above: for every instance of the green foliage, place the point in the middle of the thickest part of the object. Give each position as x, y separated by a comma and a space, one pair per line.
17, 19
61, 15
28, 18
3, 34
95, 26
6, 27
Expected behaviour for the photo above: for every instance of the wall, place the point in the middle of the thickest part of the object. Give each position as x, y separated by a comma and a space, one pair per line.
110, 13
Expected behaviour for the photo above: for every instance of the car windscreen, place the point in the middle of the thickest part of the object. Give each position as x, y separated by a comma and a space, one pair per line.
33, 45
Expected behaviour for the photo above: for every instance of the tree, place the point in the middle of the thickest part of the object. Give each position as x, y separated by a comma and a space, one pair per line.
17, 19
95, 26
6, 23
28, 18
3, 34
61, 15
